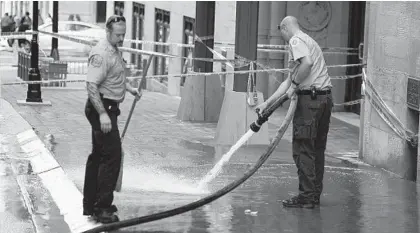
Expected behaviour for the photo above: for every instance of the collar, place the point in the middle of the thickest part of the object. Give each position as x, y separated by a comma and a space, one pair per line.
108, 46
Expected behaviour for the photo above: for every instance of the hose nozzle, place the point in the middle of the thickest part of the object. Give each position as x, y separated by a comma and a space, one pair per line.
266, 113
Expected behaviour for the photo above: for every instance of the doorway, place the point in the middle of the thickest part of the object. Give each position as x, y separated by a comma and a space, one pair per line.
355, 37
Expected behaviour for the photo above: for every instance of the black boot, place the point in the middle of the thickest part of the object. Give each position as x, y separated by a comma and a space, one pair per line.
299, 202
105, 215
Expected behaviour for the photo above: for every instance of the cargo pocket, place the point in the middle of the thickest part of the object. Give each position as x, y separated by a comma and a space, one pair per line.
304, 129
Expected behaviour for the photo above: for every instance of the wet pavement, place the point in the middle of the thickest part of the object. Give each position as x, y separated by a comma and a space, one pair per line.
14, 216
165, 158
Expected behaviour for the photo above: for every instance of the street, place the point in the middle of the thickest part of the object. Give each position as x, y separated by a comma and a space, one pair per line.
165, 158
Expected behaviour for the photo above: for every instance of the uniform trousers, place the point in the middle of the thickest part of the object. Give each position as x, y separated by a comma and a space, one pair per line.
103, 164
310, 130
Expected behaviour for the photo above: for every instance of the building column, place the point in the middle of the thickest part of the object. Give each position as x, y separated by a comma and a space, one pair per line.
263, 38
276, 60
245, 39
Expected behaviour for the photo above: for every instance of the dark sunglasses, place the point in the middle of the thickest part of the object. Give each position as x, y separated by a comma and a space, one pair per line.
115, 20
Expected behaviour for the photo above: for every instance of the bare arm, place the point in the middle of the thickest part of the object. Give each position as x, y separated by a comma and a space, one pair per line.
284, 86
303, 69
95, 98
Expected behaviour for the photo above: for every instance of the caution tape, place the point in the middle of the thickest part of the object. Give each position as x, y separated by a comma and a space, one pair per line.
354, 102
285, 47
143, 52
15, 35
263, 47
151, 77
286, 51
225, 45
12, 37
130, 50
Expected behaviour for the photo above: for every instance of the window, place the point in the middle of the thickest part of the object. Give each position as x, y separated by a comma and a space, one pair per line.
138, 21
119, 8
188, 38
162, 22
101, 11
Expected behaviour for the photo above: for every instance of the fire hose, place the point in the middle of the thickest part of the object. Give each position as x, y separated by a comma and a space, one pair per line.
255, 126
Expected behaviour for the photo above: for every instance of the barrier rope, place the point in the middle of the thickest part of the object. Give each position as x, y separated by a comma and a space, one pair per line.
387, 114
223, 45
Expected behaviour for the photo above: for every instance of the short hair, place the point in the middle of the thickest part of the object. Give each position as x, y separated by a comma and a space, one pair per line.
7, 14
114, 19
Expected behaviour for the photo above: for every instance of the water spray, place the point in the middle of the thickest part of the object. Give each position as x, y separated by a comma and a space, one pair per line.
254, 128
262, 118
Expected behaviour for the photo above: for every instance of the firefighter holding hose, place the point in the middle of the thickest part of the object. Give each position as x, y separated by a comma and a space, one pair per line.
106, 86
309, 79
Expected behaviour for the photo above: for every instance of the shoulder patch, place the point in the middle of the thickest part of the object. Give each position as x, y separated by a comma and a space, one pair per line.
294, 41
96, 60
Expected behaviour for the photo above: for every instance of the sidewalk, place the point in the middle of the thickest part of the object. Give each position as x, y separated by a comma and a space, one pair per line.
27, 207
165, 157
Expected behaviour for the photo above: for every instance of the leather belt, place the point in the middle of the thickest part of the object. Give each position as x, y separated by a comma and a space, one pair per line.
309, 92
109, 101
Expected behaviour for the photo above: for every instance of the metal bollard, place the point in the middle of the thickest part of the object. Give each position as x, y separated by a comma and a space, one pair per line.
19, 66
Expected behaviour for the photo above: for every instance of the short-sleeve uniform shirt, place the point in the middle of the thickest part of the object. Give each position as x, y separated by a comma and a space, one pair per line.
301, 45
107, 69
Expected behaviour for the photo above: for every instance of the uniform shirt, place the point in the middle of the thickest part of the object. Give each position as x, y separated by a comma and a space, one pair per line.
301, 45
107, 69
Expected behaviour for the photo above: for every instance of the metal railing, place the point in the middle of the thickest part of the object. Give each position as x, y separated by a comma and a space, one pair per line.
48, 69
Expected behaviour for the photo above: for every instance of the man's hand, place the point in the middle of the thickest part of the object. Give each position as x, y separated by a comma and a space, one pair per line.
136, 93
105, 122
260, 108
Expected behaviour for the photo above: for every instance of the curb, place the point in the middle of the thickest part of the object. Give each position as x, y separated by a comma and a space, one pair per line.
62, 190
